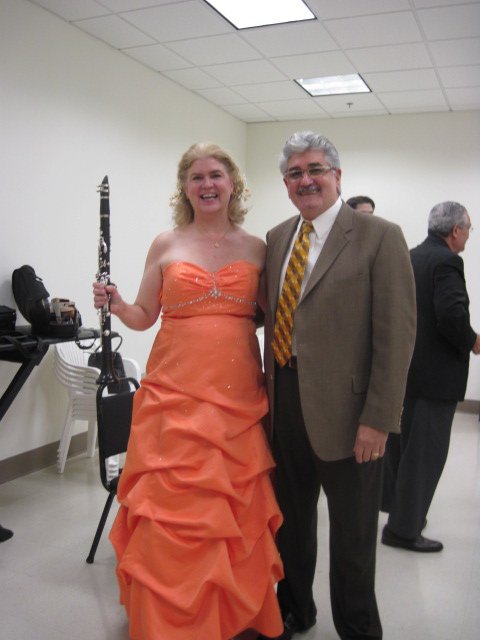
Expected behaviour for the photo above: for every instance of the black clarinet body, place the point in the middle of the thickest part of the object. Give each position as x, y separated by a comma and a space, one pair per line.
107, 372
114, 404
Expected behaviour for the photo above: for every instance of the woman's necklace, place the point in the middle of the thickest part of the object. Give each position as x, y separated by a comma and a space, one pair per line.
216, 242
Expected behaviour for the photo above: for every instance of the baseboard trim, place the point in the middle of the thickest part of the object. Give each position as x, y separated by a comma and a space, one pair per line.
40, 458
46, 456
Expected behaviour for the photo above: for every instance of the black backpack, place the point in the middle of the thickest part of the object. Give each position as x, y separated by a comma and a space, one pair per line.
32, 298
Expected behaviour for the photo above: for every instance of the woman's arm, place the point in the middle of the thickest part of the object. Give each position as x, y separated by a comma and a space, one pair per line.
143, 313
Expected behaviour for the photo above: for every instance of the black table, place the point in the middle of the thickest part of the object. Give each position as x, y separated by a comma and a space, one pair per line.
29, 354
32, 352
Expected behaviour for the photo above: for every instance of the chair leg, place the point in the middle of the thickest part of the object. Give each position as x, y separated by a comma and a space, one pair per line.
65, 439
101, 526
91, 438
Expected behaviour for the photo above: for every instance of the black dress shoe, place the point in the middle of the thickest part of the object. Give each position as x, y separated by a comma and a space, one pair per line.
5, 534
290, 628
420, 544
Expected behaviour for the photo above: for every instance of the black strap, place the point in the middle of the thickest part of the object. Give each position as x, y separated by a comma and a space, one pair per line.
98, 348
86, 347
23, 344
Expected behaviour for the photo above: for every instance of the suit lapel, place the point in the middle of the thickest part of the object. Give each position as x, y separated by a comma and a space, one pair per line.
336, 241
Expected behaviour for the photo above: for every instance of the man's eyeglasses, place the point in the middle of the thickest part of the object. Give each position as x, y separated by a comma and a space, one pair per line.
315, 171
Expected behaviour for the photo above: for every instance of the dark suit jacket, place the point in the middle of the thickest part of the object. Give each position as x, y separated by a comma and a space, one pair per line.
355, 329
439, 368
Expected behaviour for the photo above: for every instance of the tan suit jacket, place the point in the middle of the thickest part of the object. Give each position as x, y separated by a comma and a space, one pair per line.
354, 328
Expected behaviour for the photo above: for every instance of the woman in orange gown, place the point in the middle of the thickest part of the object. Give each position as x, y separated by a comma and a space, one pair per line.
195, 532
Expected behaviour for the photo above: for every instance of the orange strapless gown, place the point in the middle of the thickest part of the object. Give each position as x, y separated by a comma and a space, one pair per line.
194, 535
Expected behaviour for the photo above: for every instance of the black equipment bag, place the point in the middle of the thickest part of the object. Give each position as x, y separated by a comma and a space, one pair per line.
31, 296
58, 318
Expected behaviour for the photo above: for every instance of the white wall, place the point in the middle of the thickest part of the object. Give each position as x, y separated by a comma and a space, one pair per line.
73, 110
405, 163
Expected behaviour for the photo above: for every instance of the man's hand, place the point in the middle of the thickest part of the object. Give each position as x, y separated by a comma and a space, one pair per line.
476, 346
369, 444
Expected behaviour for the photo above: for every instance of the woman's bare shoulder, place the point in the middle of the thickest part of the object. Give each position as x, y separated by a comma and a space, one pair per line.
163, 241
255, 246
252, 240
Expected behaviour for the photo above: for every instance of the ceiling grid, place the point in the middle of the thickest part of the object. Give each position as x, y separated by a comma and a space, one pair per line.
415, 55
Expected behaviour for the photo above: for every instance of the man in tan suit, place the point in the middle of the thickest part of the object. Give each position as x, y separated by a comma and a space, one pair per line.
341, 389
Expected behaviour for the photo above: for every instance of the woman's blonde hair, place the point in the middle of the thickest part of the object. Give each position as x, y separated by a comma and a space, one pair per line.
182, 209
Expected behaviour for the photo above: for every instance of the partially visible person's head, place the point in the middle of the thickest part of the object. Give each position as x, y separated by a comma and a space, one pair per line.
362, 204
311, 172
450, 221
182, 209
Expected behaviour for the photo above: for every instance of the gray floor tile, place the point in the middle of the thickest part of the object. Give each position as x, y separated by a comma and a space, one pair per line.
49, 592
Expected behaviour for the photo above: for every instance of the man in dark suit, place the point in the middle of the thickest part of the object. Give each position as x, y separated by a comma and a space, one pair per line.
437, 378
336, 389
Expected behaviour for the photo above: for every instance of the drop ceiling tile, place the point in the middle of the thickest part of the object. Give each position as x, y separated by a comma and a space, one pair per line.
376, 30
158, 57
291, 39
192, 78
69, 10
460, 76
249, 72
326, 9
351, 104
422, 4
248, 113
411, 80
293, 109
380, 111
222, 96
466, 98
450, 53
271, 91
390, 58
180, 21
129, 5
114, 31
312, 65
215, 49
429, 100
444, 23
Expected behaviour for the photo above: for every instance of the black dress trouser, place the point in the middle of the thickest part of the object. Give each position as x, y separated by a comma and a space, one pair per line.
415, 461
353, 494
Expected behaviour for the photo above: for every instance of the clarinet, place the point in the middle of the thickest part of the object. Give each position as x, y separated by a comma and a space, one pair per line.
107, 373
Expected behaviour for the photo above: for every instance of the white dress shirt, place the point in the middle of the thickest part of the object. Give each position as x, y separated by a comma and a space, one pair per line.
322, 225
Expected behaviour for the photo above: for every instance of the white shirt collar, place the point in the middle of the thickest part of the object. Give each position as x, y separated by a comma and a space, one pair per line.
324, 222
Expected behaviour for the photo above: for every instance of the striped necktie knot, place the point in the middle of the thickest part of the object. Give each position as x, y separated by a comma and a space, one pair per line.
290, 294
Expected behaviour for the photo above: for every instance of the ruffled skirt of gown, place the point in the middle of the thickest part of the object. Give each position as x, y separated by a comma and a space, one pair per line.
195, 533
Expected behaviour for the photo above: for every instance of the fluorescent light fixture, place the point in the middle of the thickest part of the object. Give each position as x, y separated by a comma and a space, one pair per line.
334, 85
257, 13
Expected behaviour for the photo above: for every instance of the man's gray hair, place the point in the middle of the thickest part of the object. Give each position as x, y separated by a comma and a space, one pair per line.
444, 216
305, 141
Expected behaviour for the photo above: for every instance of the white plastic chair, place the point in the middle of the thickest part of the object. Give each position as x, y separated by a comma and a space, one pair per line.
73, 372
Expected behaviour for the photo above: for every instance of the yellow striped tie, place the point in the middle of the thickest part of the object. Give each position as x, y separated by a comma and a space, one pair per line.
282, 333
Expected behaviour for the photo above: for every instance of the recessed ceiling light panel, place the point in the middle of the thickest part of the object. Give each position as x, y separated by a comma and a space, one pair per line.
258, 13
334, 85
